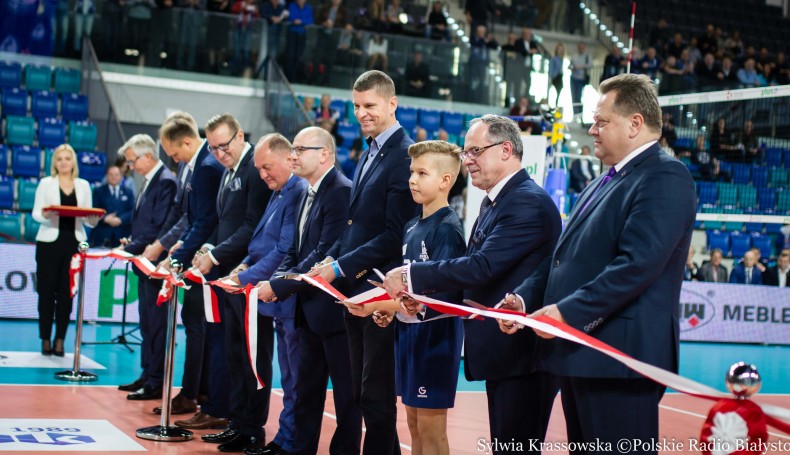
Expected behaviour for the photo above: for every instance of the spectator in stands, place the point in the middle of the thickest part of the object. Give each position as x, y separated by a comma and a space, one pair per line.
437, 28
274, 13
558, 15
708, 41
734, 44
714, 173
613, 64
331, 128
664, 144
760, 262
60, 26
420, 135
746, 272
782, 69
582, 171
676, 46
668, 129
127, 181
767, 78
478, 62
349, 46
557, 70
713, 271
659, 36
747, 76
707, 72
189, 26
727, 76
331, 16
721, 142
689, 78
349, 166
246, 11
418, 77
56, 242
139, 15
300, 14
520, 109
325, 111
749, 146
525, 48
376, 16
476, 12
113, 17
751, 52
779, 275
650, 64
392, 14
377, 53
217, 42
763, 60
672, 73
442, 135
701, 155
691, 269
118, 201
695, 55
84, 10
580, 76
309, 105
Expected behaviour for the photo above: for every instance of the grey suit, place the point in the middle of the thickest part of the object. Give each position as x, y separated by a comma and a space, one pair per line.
706, 273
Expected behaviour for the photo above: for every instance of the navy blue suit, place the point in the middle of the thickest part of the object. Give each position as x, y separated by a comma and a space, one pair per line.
148, 218
616, 274
177, 217
738, 275
510, 241
322, 340
381, 204
122, 206
271, 240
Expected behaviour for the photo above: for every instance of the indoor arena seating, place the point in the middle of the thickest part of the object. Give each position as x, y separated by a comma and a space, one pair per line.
41, 108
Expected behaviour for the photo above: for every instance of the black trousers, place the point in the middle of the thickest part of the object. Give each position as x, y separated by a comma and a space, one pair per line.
372, 351
153, 330
53, 260
196, 364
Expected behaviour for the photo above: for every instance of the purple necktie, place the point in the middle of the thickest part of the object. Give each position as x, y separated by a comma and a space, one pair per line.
606, 178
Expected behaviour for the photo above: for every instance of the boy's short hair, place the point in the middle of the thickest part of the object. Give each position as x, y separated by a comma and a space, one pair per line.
447, 156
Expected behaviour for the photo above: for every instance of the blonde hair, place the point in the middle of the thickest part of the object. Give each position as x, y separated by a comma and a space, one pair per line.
53, 169
178, 126
447, 156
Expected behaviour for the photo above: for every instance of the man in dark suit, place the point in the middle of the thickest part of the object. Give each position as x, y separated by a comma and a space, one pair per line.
240, 203
526, 47
380, 206
617, 271
747, 271
180, 140
516, 230
271, 239
582, 171
713, 271
322, 340
779, 275
118, 201
150, 211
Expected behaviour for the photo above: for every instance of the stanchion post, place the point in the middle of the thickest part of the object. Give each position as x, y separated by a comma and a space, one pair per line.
163, 431
75, 375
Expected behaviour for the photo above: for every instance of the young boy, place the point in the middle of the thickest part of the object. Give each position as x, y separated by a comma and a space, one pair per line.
427, 344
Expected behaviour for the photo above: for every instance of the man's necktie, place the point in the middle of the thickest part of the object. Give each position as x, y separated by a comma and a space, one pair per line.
484, 206
142, 191
308, 204
748, 277
606, 178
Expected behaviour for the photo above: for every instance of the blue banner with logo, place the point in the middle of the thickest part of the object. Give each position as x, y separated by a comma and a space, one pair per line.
26, 26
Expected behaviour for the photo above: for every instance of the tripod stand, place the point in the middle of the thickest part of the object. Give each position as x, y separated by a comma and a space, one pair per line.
122, 338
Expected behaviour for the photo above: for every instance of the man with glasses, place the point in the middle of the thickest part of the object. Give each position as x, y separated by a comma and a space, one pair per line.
515, 233
240, 203
322, 343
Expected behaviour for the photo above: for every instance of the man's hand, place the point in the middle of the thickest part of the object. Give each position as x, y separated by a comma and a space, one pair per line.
153, 251
551, 311
325, 271
382, 318
165, 265
362, 311
393, 283
265, 292
93, 220
510, 302
410, 306
203, 263
112, 219
175, 248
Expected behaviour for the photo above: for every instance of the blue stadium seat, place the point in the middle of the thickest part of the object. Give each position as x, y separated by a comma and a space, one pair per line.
74, 107
430, 120
92, 165
342, 154
48, 161
407, 116
14, 102
340, 107
760, 176
6, 193
10, 75
67, 80
51, 132
741, 173
4, 160
740, 244
453, 122
764, 243
44, 105
774, 157
766, 198
708, 193
348, 132
10, 226
26, 194
787, 159
20, 130
82, 135
783, 201
26, 161
38, 78
718, 239
31, 228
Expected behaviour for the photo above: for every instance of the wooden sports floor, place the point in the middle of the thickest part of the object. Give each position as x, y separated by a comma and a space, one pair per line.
29, 394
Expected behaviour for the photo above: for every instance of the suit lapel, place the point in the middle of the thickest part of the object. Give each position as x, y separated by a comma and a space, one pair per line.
151, 184
395, 138
517, 179
325, 185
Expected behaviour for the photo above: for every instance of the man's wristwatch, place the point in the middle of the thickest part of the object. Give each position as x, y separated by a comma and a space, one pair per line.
404, 277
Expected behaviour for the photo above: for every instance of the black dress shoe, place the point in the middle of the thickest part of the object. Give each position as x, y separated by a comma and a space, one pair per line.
57, 350
237, 444
269, 449
147, 393
132, 386
46, 347
220, 438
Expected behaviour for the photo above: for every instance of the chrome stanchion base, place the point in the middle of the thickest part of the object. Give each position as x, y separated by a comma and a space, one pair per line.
75, 376
160, 433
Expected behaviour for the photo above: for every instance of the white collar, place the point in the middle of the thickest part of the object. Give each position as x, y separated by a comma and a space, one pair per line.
318, 182
247, 148
193, 160
632, 155
150, 175
496, 189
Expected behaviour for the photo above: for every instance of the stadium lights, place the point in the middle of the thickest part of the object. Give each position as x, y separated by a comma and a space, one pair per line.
609, 33
593, 16
572, 143
615, 39
450, 20
582, 5
498, 79
454, 26
587, 11
620, 45
459, 32
465, 39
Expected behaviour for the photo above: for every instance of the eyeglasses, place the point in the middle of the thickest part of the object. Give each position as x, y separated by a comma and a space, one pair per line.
299, 150
475, 152
223, 147
130, 163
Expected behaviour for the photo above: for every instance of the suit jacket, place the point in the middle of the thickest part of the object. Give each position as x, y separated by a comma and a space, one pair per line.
271, 240
48, 193
246, 194
325, 223
380, 206
510, 241
771, 276
123, 206
201, 195
738, 275
149, 216
578, 179
706, 273
177, 218
617, 270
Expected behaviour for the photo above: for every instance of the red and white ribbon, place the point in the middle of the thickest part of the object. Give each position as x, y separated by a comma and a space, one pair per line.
75, 268
210, 303
251, 330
